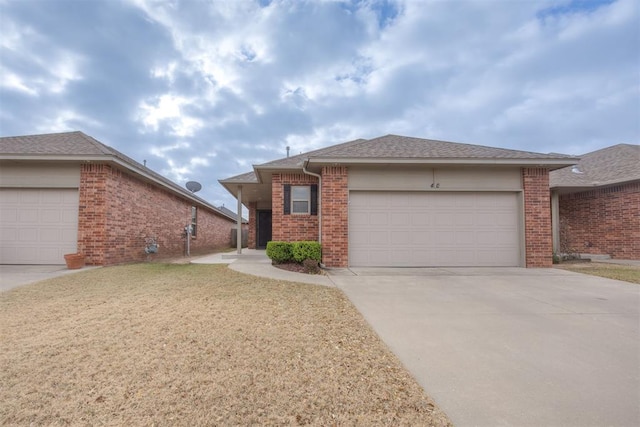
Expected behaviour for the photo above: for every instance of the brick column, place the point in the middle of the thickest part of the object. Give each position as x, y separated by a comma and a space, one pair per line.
537, 217
335, 216
253, 220
92, 211
276, 208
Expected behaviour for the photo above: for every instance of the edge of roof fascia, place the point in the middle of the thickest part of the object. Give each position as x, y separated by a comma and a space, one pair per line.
588, 187
461, 161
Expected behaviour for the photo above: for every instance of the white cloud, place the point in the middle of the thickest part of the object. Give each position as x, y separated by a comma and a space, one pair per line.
65, 121
50, 68
13, 81
170, 110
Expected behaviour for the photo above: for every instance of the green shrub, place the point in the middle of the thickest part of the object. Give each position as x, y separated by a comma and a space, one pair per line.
306, 250
279, 252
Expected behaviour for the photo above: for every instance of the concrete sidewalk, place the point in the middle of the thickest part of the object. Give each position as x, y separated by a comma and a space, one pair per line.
256, 263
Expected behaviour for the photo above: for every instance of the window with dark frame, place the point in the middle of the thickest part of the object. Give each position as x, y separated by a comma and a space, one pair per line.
300, 199
194, 220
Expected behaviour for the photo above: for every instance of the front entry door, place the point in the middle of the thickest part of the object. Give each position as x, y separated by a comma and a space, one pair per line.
264, 229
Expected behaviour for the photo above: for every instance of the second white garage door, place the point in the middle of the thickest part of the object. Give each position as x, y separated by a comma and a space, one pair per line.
418, 229
38, 226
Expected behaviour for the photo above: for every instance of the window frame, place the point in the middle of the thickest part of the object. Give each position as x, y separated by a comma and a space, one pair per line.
194, 221
307, 199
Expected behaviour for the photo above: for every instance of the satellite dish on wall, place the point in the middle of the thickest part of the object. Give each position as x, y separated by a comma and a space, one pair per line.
193, 186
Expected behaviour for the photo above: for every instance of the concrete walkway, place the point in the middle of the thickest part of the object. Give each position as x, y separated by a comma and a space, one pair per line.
256, 263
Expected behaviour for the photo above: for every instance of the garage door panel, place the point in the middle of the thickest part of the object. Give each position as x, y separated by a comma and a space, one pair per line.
379, 238
379, 219
29, 216
443, 219
434, 229
38, 226
420, 219
399, 219
8, 214
8, 235
27, 197
421, 237
28, 235
399, 237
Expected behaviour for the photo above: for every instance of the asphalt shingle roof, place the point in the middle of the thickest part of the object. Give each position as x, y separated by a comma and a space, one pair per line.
397, 147
611, 165
68, 143
404, 147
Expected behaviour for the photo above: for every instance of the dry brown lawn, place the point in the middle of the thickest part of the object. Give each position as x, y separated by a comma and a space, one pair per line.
169, 344
627, 273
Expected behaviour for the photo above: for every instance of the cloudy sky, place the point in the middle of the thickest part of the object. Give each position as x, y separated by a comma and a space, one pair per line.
204, 89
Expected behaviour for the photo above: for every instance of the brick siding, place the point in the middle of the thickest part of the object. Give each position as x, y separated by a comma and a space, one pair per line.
253, 225
603, 221
335, 216
335, 206
292, 227
117, 211
537, 218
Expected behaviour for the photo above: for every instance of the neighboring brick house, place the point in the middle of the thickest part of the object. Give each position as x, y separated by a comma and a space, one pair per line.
598, 204
67, 192
401, 201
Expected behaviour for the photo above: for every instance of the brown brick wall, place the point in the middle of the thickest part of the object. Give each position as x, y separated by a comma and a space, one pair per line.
118, 210
293, 227
335, 217
603, 221
537, 217
253, 219
92, 218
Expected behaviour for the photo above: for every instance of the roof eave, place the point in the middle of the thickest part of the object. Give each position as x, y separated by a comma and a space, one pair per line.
550, 163
592, 185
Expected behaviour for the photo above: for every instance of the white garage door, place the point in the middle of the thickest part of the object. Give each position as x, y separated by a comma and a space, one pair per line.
37, 226
410, 229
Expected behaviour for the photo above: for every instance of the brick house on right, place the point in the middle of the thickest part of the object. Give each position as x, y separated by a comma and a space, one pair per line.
398, 201
596, 204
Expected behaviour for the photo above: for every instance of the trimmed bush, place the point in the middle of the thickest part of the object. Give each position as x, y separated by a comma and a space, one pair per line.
306, 250
279, 252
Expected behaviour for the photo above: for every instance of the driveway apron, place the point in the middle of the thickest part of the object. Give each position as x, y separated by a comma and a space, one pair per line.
510, 347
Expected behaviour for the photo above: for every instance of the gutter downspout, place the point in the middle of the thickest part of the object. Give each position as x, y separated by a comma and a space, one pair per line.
304, 169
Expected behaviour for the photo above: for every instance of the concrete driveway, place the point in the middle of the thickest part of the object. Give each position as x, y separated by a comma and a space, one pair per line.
12, 276
510, 347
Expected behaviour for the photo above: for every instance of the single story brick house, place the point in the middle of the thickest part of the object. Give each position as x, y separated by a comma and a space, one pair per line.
406, 202
596, 204
67, 192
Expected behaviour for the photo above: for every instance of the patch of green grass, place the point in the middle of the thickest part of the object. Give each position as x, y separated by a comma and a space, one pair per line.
611, 271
